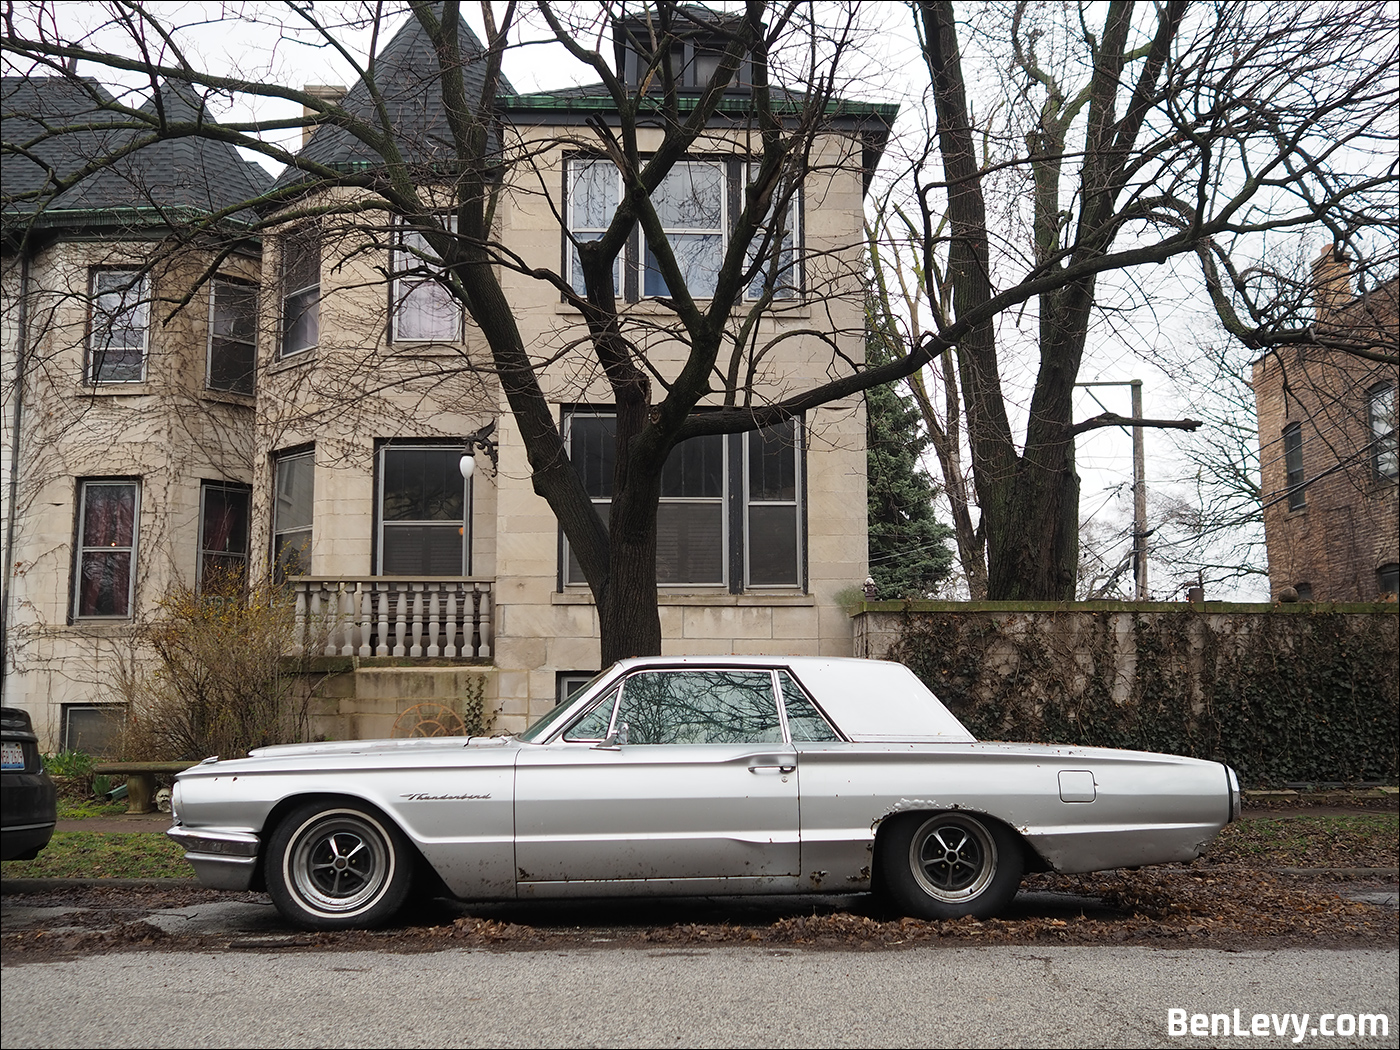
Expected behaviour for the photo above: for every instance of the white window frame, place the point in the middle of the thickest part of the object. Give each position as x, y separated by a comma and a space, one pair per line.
632, 261
233, 336
122, 284
734, 491
466, 524
82, 550
791, 288
574, 166
412, 271
719, 231
305, 299
280, 529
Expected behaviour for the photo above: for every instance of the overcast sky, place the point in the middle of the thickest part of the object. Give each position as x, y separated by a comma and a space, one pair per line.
260, 40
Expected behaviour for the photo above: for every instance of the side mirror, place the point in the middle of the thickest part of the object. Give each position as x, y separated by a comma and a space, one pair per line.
614, 740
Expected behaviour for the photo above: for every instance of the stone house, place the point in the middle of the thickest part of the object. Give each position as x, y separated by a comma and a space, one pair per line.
320, 418
1327, 437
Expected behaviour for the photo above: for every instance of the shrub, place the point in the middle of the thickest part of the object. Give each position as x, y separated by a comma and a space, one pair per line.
221, 683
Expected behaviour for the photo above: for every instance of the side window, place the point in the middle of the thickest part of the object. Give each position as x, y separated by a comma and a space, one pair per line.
108, 517
772, 552
593, 726
594, 191
293, 500
1380, 415
223, 536
773, 251
301, 291
805, 723
233, 327
690, 204
119, 327
424, 309
1293, 464
700, 707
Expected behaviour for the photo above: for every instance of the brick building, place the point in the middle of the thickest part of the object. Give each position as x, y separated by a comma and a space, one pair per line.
1327, 437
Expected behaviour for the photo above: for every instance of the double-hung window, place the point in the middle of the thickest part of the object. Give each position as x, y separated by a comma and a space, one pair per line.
293, 500
424, 511
595, 190
695, 205
424, 309
730, 509
120, 326
691, 206
223, 535
1380, 417
774, 250
1293, 466
108, 517
233, 321
301, 290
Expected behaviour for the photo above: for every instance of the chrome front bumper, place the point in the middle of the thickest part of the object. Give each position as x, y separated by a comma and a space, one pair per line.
222, 860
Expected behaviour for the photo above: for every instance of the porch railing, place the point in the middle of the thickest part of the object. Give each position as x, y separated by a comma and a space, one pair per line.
414, 617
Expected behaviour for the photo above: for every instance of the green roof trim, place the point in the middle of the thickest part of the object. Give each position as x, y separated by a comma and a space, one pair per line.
133, 215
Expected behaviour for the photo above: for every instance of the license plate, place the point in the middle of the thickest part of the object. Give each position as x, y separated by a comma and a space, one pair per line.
12, 756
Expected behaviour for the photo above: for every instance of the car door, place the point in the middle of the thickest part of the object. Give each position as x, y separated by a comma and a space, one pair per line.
695, 781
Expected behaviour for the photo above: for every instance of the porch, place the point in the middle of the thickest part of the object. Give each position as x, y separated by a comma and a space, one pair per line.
433, 617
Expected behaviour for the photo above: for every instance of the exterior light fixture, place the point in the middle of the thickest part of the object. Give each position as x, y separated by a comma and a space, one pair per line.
479, 441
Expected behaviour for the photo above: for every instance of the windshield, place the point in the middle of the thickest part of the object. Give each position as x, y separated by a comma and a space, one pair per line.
541, 728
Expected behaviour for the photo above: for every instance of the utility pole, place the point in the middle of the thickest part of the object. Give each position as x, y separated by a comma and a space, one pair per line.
1139, 488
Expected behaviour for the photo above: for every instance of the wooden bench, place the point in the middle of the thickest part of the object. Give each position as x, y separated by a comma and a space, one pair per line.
140, 780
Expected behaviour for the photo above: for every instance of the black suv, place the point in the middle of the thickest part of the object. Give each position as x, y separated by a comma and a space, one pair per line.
27, 800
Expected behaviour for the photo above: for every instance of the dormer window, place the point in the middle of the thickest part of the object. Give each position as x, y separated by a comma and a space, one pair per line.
695, 56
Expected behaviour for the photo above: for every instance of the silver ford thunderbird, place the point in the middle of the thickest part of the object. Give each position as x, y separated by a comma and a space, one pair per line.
693, 776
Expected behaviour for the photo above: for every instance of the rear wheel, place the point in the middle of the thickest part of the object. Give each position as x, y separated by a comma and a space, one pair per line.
947, 865
338, 865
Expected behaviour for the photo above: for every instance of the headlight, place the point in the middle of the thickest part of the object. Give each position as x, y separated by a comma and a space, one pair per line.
175, 803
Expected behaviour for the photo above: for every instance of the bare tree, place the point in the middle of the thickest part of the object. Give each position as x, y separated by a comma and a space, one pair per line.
1156, 133
446, 188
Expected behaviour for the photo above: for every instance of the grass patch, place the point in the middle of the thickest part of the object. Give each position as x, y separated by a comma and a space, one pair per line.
70, 809
1352, 840
94, 855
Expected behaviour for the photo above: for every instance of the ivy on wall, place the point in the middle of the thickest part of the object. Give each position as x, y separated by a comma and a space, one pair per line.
1280, 696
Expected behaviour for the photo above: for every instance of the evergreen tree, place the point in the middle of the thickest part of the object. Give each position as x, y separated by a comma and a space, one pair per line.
909, 552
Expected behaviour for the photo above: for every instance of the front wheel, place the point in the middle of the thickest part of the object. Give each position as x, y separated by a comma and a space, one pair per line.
336, 866
947, 865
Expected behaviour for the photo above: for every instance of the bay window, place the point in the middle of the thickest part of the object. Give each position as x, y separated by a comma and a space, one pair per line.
301, 291
232, 351
108, 518
423, 309
119, 326
293, 501
730, 513
223, 535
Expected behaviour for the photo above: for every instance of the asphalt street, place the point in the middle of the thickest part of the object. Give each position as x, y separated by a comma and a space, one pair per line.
924, 996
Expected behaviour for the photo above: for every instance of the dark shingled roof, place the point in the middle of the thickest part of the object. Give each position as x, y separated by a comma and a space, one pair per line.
406, 72
54, 126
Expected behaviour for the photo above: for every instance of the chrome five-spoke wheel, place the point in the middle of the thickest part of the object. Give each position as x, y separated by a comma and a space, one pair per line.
947, 865
332, 866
